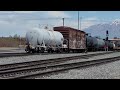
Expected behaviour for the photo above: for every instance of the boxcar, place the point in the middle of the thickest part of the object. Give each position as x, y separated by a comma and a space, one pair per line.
75, 39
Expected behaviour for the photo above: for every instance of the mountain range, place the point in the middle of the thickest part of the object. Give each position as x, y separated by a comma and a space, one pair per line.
100, 29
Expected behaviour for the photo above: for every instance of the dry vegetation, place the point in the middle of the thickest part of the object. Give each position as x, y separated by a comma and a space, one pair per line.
11, 42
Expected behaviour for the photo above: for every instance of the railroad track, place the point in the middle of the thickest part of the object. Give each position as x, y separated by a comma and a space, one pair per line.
2, 55
37, 62
34, 68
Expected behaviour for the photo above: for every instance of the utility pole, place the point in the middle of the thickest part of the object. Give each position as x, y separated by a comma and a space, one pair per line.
78, 20
80, 23
63, 21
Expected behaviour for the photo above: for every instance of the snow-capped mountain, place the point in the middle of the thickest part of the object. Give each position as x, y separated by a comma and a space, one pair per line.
100, 29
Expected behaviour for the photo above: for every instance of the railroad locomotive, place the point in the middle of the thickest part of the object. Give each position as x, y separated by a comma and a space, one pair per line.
62, 39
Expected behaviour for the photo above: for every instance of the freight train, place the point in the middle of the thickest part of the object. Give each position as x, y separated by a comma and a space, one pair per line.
62, 39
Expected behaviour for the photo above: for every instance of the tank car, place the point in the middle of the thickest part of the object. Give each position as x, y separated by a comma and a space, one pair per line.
91, 43
100, 44
94, 43
110, 45
40, 40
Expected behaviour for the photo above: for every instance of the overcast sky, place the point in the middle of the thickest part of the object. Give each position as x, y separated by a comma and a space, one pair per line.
18, 22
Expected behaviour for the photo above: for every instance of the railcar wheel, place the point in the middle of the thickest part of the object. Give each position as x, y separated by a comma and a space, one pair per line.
33, 51
42, 50
28, 50
38, 50
48, 51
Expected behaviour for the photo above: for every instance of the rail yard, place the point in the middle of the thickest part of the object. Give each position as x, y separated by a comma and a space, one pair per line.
54, 52
60, 52
54, 66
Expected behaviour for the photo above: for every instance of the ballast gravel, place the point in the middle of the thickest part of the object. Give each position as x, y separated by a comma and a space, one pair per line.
105, 71
18, 59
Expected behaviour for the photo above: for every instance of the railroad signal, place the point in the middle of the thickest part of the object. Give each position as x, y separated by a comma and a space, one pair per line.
107, 33
106, 38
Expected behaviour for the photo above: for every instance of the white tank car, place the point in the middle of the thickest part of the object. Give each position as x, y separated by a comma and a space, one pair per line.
32, 36
59, 38
42, 37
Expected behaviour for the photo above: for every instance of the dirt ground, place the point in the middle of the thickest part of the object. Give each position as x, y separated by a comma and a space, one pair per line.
11, 42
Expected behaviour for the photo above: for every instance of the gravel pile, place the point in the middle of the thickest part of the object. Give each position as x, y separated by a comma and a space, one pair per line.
9, 60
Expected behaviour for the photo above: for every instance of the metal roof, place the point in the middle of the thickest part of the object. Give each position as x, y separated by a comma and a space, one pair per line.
68, 28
